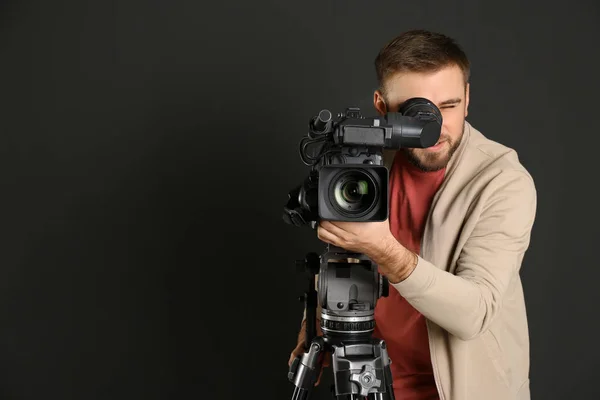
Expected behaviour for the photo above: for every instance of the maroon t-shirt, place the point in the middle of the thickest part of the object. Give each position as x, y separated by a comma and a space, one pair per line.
397, 322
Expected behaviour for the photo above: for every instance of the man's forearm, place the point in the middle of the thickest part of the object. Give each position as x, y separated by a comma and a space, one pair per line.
462, 306
394, 260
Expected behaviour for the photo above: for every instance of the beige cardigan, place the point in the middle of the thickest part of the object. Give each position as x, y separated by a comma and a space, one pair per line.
467, 281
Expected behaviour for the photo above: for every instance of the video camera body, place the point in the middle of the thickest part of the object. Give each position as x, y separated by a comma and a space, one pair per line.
349, 182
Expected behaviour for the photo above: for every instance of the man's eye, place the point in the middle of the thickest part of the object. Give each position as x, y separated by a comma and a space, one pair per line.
452, 106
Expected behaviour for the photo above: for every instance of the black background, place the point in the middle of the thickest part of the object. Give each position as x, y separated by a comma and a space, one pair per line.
146, 151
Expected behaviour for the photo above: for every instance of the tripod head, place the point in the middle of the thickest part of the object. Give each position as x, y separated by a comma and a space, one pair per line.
349, 286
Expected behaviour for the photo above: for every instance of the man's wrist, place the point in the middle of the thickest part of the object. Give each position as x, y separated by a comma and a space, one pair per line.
396, 261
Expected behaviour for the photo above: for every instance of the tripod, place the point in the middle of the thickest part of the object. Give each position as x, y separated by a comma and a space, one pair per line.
348, 292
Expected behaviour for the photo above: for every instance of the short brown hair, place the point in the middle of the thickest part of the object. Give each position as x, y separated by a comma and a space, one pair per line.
419, 51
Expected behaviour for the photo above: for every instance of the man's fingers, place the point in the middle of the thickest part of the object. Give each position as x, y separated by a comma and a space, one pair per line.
292, 357
319, 378
326, 361
297, 352
334, 229
327, 236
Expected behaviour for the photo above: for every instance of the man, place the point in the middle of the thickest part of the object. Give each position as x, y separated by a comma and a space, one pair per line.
461, 215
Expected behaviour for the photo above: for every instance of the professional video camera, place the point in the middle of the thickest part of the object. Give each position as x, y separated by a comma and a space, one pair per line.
349, 182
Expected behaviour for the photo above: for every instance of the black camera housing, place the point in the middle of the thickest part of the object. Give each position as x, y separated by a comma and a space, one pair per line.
353, 144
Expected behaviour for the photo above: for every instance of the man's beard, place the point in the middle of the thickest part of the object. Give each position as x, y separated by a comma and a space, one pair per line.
430, 161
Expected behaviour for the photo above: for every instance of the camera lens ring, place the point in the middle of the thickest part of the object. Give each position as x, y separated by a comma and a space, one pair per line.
352, 175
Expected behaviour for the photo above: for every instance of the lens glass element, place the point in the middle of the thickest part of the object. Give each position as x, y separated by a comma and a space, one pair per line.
354, 192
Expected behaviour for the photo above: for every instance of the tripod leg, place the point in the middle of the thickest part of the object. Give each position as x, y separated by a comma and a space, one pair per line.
305, 370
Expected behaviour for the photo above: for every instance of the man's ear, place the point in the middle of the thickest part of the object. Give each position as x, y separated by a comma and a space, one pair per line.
467, 90
379, 103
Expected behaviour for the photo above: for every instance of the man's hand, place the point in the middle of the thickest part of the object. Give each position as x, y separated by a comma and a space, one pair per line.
370, 238
375, 240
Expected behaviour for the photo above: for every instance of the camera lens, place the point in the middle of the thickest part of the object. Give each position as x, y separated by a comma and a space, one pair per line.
354, 193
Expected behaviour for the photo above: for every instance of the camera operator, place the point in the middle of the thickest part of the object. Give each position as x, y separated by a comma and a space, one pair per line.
461, 215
